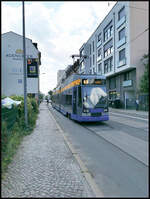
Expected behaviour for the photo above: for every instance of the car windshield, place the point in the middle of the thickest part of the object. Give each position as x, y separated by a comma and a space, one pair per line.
94, 97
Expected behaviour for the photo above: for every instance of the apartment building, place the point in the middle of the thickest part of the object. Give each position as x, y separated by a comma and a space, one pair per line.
12, 65
116, 47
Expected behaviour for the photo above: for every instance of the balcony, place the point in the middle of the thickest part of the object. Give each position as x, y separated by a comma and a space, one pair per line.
121, 63
122, 20
121, 42
127, 83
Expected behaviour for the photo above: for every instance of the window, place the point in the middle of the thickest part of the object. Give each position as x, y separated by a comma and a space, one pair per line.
108, 31
112, 83
122, 54
90, 49
127, 76
108, 65
100, 69
108, 48
90, 61
82, 65
79, 97
93, 46
93, 60
99, 37
93, 70
121, 34
121, 13
105, 67
111, 30
99, 53
111, 49
105, 53
105, 36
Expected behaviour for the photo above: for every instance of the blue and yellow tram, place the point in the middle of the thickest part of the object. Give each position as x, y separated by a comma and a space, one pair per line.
82, 98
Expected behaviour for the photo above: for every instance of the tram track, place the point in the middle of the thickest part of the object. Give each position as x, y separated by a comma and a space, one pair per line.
115, 171
101, 137
103, 127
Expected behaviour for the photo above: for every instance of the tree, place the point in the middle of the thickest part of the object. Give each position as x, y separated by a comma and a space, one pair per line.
50, 93
144, 82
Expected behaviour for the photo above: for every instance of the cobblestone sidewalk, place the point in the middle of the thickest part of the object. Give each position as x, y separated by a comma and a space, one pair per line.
44, 166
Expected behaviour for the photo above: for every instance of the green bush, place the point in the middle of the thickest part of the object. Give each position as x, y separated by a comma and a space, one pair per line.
12, 138
34, 105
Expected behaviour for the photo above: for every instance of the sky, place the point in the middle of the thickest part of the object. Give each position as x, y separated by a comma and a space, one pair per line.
59, 27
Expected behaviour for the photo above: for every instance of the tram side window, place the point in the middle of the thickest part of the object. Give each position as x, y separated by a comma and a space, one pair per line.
62, 98
79, 97
68, 99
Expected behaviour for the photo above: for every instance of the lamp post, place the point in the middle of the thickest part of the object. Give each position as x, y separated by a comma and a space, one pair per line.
25, 70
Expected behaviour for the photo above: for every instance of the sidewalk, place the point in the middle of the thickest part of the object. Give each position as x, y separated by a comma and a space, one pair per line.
44, 166
143, 114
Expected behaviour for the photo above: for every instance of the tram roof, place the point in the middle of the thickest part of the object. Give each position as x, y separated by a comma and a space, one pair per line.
74, 77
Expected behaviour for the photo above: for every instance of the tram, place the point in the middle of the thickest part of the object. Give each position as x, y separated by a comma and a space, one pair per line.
82, 98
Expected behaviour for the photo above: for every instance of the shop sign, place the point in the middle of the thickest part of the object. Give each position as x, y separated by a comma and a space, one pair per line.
32, 68
18, 55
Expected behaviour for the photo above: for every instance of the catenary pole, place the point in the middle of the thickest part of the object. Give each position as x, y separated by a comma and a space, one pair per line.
24, 66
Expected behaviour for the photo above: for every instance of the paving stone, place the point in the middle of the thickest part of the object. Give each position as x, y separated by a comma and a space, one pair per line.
44, 166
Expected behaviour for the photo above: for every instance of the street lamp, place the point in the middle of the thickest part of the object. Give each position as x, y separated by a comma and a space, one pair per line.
25, 70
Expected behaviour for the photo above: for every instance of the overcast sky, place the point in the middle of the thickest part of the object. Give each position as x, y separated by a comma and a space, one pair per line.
59, 27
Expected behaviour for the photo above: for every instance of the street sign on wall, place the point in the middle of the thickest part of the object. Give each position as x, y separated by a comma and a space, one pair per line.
32, 68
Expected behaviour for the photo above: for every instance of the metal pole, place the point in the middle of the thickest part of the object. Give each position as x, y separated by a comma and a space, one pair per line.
24, 66
38, 83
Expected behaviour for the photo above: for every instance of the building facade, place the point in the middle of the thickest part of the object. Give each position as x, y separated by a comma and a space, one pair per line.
12, 65
116, 47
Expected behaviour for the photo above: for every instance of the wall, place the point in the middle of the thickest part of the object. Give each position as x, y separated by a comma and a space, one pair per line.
138, 38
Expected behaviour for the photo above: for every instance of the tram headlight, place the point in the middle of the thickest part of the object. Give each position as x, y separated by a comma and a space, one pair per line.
85, 111
105, 109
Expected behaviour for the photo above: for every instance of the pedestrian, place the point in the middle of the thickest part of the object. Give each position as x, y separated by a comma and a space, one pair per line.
47, 101
137, 104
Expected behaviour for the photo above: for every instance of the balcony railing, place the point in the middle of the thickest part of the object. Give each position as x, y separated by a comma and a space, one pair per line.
121, 42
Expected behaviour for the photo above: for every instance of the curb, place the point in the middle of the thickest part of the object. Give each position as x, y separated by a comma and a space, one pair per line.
84, 170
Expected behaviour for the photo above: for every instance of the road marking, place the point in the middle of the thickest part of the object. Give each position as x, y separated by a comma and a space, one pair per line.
84, 170
129, 116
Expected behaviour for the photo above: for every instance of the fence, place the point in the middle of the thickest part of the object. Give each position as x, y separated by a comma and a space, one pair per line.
144, 102
9, 116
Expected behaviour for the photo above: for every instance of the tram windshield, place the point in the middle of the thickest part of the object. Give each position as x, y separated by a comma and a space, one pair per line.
94, 97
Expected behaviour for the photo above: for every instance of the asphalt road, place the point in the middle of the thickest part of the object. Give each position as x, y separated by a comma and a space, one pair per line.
115, 152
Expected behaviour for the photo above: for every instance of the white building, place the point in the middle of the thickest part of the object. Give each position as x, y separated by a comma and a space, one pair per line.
116, 47
12, 65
